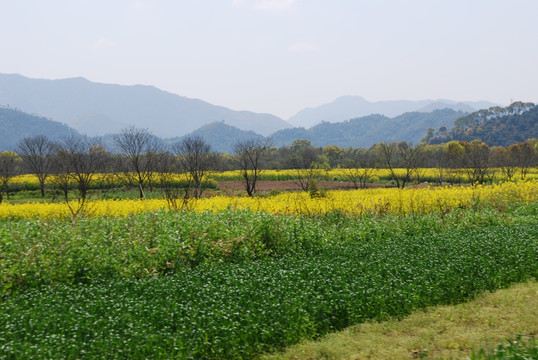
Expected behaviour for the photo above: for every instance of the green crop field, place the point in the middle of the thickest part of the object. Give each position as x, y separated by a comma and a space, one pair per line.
237, 284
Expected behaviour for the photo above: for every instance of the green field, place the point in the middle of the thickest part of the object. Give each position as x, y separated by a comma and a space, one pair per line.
239, 284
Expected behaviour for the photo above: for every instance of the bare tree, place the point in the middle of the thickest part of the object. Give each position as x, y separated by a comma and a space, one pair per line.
304, 161
502, 158
176, 193
9, 167
360, 168
141, 149
386, 155
81, 158
197, 161
407, 156
37, 154
412, 159
248, 157
435, 157
455, 154
524, 156
476, 161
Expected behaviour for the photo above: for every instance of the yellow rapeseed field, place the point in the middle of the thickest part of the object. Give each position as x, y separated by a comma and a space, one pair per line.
428, 173
355, 202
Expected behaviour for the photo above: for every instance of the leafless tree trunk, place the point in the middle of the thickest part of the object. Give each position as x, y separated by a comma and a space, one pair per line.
248, 157
141, 149
362, 167
197, 161
386, 155
79, 159
37, 154
9, 167
523, 156
477, 161
455, 154
176, 193
412, 159
304, 161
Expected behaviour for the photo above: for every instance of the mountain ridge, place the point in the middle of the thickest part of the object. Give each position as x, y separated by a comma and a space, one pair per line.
81, 103
496, 126
348, 107
16, 124
368, 130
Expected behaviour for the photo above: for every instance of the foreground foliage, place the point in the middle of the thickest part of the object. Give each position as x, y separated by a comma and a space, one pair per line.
290, 278
34, 252
518, 349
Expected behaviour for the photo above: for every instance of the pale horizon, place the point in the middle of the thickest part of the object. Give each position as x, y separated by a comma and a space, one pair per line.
281, 56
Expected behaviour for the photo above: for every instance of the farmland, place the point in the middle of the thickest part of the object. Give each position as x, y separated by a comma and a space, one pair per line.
235, 277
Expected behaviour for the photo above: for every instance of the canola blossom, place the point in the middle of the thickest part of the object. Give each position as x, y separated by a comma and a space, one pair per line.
353, 202
426, 174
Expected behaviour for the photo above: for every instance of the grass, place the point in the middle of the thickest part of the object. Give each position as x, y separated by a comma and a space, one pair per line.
440, 332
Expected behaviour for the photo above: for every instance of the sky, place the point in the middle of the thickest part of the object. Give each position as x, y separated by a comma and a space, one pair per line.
280, 56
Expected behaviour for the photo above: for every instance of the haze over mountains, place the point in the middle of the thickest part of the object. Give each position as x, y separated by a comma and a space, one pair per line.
16, 125
98, 109
349, 107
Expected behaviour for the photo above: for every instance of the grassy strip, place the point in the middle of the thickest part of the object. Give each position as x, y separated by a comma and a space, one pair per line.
241, 310
34, 253
441, 332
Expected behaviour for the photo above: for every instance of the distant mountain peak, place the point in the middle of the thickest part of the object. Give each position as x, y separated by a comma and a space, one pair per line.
348, 107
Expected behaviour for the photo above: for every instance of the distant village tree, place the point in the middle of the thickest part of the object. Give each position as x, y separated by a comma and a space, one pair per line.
248, 156
387, 157
79, 159
37, 153
360, 167
476, 161
197, 161
141, 150
304, 161
9, 167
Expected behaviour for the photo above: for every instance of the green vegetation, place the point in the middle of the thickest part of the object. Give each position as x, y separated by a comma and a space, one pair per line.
239, 284
468, 330
517, 349
495, 126
368, 130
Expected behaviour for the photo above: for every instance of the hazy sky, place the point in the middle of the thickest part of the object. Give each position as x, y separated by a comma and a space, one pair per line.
279, 56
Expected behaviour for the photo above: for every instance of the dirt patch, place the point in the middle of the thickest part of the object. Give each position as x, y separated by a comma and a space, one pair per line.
289, 185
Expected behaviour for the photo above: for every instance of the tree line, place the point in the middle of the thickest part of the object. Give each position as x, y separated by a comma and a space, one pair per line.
142, 160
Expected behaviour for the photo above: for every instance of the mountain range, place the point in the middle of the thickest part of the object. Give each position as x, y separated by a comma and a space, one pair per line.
349, 107
368, 130
97, 109
63, 107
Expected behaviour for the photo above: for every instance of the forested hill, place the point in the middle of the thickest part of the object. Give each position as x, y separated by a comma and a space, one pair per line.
368, 130
221, 136
495, 126
16, 125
